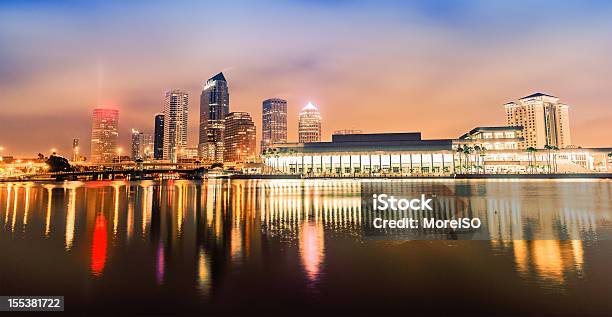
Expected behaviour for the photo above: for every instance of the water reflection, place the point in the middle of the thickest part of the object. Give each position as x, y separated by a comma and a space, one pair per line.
208, 232
49, 205
551, 260
312, 249
70, 219
99, 245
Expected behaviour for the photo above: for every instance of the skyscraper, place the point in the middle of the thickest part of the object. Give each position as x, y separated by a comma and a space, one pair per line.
239, 137
75, 150
146, 146
142, 145
104, 134
158, 146
273, 122
309, 125
136, 144
544, 119
175, 123
214, 105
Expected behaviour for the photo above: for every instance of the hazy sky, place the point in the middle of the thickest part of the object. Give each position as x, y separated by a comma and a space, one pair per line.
440, 67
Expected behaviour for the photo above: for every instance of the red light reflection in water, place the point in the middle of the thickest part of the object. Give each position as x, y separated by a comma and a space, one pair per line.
98, 246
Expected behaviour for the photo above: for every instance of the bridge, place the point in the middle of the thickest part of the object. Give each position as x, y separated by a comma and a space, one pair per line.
111, 174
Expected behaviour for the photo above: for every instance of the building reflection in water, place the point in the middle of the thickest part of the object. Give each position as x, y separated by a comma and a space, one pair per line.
99, 245
116, 191
49, 205
160, 264
15, 203
312, 249
70, 219
9, 190
550, 260
220, 225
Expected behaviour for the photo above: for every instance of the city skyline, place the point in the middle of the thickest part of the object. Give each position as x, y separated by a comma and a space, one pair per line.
328, 63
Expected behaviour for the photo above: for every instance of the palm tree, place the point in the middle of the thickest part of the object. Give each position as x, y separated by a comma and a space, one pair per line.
477, 150
555, 149
531, 151
460, 152
482, 156
467, 150
548, 149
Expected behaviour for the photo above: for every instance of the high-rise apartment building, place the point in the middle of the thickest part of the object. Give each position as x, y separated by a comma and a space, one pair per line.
309, 125
175, 124
274, 122
158, 146
147, 146
239, 137
544, 119
142, 145
190, 153
75, 150
104, 134
214, 106
136, 144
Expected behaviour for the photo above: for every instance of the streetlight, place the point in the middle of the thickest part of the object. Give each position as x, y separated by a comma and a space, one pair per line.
119, 155
53, 151
1, 156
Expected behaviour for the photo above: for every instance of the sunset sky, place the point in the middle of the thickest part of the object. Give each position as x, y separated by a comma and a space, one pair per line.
440, 67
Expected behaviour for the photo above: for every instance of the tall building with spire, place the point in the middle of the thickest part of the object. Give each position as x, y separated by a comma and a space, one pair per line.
214, 106
273, 122
240, 144
175, 124
104, 135
544, 119
309, 124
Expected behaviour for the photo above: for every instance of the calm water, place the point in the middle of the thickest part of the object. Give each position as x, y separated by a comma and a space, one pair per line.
296, 247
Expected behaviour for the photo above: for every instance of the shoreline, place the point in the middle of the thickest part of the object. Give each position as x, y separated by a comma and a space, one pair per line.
432, 177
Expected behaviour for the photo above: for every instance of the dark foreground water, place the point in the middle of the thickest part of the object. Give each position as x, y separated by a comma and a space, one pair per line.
296, 247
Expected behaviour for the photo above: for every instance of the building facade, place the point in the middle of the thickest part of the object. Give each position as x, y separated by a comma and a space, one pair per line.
189, 154
347, 131
136, 145
544, 119
309, 124
240, 134
158, 146
175, 124
104, 135
491, 150
274, 122
214, 106
76, 155
142, 146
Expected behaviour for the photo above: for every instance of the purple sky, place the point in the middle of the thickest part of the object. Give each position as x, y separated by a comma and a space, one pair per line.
432, 66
